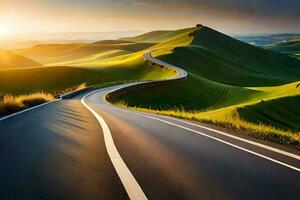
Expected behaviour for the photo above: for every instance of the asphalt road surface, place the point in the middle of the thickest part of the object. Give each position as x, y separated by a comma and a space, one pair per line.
85, 148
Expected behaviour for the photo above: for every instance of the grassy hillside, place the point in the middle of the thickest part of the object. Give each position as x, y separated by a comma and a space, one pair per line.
156, 36
60, 53
281, 112
9, 60
125, 52
218, 76
244, 61
230, 83
99, 62
52, 79
225, 75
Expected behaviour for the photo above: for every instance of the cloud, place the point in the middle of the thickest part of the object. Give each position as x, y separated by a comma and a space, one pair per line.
264, 7
225, 15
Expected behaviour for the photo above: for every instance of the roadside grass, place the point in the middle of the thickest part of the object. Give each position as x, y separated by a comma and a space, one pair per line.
228, 118
10, 104
283, 113
227, 81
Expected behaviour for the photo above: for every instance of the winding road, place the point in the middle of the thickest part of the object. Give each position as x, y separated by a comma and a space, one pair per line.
86, 148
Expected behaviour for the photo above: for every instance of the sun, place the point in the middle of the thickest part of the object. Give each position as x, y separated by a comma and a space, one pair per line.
4, 31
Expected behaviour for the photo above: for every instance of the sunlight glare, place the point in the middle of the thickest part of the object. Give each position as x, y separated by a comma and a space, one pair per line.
4, 31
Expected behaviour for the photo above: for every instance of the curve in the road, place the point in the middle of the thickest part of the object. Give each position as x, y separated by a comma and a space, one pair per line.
131, 185
208, 163
182, 74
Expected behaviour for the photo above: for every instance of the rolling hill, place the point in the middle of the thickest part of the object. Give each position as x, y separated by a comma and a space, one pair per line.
156, 36
55, 79
228, 79
225, 75
60, 53
279, 112
69, 65
9, 60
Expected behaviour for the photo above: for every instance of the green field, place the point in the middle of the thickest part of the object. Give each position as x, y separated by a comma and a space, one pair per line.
53, 54
281, 112
226, 78
229, 82
68, 65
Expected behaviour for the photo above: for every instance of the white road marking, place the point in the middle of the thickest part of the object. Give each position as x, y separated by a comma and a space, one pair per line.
222, 141
240, 139
132, 187
149, 57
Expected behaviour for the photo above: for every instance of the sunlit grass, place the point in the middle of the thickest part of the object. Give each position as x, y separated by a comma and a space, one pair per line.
230, 84
228, 118
10, 104
81, 86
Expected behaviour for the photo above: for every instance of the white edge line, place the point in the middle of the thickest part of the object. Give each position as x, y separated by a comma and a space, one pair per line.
149, 57
285, 153
240, 139
291, 155
219, 140
212, 137
28, 109
130, 184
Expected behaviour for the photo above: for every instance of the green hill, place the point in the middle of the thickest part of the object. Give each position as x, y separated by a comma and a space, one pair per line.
281, 112
229, 82
156, 36
95, 63
214, 60
225, 75
54, 79
72, 64
9, 60
60, 53
245, 65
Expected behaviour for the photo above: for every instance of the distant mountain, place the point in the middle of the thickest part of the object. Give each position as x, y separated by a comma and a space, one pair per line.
291, 48
26, 41
268, 39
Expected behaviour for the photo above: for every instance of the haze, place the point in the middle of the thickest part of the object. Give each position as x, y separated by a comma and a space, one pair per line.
229, 16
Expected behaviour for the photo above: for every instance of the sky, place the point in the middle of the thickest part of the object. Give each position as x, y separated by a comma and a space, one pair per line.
228, 16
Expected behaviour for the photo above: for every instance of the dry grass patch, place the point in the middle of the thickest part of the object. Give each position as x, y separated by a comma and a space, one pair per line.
10, 104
